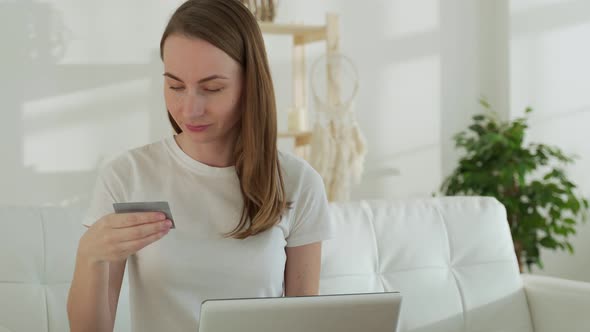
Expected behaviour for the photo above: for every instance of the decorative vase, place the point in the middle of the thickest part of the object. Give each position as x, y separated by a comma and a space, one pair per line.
263, 10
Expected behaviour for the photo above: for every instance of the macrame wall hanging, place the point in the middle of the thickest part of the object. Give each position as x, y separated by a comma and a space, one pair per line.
338, 147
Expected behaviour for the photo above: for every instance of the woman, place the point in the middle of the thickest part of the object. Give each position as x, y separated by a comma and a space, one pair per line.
249, 220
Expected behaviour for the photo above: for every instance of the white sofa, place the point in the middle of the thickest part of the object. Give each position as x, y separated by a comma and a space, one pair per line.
451, 258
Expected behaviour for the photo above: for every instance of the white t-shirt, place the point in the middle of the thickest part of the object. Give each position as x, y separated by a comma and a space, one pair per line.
169, 279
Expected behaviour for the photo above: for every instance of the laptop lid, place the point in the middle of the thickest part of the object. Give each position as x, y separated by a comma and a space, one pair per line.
377, 312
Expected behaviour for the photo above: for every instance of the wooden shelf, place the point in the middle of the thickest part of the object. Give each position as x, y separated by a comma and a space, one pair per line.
288, 134
301, 137
305, 33
302, 35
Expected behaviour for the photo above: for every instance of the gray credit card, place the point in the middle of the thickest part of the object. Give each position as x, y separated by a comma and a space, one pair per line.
132, 207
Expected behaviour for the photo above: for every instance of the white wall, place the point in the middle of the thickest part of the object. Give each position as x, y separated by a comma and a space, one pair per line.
395, 45
550, 72
85, 85
81, 82
474, 42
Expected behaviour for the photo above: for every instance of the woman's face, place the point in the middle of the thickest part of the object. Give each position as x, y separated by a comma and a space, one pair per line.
202, 89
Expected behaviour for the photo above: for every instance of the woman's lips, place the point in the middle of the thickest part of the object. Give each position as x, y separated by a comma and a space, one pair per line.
198, 128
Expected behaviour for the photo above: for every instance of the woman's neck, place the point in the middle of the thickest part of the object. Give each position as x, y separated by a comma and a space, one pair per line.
214, 154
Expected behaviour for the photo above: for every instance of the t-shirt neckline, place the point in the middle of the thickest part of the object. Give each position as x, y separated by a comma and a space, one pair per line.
196, 165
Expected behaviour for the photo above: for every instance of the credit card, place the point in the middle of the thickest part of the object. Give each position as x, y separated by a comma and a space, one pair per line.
131, 207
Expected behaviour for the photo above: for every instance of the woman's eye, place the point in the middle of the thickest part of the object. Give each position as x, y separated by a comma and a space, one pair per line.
213, 90
176, 88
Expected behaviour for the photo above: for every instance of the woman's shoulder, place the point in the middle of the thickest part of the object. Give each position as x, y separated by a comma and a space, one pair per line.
131, 159
305, 190
298, 173
294, 165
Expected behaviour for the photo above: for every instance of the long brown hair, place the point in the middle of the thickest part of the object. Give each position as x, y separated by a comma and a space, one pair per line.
231, 27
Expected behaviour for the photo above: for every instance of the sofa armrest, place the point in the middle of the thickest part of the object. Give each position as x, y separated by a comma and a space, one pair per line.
557, 304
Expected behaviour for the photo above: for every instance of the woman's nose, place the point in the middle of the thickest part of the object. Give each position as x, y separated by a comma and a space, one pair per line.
194, 105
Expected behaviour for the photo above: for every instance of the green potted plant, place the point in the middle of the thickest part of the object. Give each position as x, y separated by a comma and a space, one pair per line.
543, 205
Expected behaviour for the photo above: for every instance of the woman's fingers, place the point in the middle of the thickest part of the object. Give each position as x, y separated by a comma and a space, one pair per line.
132, 246
124, 220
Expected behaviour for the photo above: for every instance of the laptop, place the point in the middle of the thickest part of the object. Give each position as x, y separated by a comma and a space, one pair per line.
376, 312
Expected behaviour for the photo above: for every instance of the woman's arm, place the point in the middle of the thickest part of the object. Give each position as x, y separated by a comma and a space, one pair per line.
93, 296
100, 265
302, 270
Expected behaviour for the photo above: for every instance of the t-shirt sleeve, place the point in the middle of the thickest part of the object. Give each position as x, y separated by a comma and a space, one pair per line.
311, 220
102, 198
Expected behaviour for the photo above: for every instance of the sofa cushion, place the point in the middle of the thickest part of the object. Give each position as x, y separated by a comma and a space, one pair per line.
38, 256
451, 258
